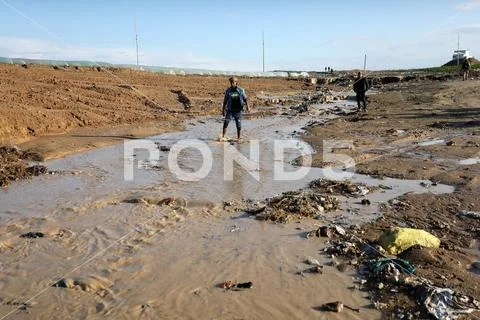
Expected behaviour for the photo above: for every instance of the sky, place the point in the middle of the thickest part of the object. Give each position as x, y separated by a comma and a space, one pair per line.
301, 35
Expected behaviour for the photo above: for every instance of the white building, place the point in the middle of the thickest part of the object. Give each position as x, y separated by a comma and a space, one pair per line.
461, 54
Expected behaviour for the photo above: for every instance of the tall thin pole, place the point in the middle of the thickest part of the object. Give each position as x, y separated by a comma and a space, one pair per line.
365, 63
458, 49
263, 51
136, 40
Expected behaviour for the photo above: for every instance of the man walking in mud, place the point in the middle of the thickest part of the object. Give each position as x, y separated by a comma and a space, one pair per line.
360, 86
233, 103
466, 66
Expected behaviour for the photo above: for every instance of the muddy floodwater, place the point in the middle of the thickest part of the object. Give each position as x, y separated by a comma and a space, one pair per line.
159, 247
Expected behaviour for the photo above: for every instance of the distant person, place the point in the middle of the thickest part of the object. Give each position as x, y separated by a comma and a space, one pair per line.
466, 66
233, 103
325, 69
361, 86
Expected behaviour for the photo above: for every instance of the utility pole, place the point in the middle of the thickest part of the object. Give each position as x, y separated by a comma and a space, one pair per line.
263, 51
365, 63
136, 40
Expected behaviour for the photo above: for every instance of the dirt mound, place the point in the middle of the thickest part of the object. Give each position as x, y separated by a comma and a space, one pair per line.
454, 62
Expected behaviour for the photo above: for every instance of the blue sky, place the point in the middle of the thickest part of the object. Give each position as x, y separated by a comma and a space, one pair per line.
227, 35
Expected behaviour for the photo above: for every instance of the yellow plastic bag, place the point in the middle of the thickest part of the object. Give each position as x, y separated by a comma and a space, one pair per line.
400, 239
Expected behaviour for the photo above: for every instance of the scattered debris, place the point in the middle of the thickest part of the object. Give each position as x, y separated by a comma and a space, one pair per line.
234, 228
16, 164
395, 132
384, 187
326, 231
399, 205
164, 148
295, 204
312, 261
345, 248
469, 214
336, 306
444, 303
390, 269
399, 239
245, 285
314, 269
32, 235
229, 284
257, 210
425, 184
339, 187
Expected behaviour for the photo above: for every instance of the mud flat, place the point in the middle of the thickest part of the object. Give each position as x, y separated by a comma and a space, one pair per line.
425, 130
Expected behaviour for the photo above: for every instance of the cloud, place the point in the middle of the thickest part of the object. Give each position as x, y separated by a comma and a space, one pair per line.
30, 48
470, 30
15, 47
468, 6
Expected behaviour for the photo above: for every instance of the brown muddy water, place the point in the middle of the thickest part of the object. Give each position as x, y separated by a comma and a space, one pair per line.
158, 247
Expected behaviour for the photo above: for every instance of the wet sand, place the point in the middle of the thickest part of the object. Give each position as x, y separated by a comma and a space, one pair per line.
126, 252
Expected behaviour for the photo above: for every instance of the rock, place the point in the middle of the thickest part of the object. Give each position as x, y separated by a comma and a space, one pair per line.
336, 306
365, 202
340, 230
244, 285
325, 232
342, 267
183, 98
316, 269
469, 214
33, 235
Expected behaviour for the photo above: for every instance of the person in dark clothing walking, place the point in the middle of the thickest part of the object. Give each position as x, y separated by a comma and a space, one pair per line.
233, 103
466, 66
360, 86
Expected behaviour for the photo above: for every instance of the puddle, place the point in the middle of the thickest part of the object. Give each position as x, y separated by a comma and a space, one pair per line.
101, 172
431, 142
469, 162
